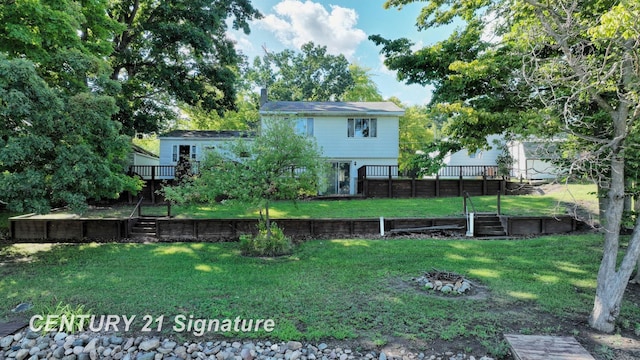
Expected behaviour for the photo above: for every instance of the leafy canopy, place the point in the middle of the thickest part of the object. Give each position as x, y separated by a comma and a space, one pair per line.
56, 150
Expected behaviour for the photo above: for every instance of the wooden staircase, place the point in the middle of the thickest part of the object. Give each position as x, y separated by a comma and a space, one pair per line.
488, 225
144, 227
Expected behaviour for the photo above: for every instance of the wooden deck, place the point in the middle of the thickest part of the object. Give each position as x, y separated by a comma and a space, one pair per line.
536, 347
12, 327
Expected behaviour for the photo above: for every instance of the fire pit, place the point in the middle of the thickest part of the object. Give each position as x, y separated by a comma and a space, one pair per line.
444, 282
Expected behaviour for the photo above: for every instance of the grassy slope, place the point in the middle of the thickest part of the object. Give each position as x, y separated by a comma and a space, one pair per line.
553, 203
327, 289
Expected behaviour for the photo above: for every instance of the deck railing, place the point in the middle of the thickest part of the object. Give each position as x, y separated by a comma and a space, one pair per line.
153, 172
459, 171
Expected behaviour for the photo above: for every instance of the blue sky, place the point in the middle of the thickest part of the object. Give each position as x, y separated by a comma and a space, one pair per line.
343, 26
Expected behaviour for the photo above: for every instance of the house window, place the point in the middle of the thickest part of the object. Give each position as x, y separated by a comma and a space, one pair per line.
475, 155
193, 152
304, 127
362, 128
174, 157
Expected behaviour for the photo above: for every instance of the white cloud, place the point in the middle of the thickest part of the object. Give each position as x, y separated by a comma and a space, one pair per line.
296, 23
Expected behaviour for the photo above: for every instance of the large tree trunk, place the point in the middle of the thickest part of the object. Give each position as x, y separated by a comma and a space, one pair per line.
612, 281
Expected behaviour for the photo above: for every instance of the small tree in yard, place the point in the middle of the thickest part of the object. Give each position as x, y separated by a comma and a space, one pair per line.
279, 164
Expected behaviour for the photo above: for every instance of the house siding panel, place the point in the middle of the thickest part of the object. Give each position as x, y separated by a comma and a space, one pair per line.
331, 135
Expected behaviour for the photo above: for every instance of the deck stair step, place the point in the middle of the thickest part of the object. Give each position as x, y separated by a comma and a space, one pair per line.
488, 225
145, 226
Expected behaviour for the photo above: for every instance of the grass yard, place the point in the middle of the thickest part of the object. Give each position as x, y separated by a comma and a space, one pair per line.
349, 290
555, 201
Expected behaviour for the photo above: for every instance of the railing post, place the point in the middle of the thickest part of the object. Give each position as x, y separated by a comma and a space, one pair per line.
390, 183
499, 201
460, 183
169, 209
464, 205
153, 184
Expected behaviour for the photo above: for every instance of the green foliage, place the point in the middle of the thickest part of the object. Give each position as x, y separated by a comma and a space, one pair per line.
431, 158
278, 164
363, 88
245, 117
59, 311
56, 150
268, 242
311, 75
175, 51
68, 40
416, 129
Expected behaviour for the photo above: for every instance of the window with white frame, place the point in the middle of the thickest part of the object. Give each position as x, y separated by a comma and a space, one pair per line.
304, 126
362, 128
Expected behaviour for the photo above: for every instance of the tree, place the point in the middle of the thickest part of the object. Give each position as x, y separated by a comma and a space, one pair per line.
311, 75
416, 133
575, 63
173, 52
246, 117
363, 88
56, 150
68, 40
279, 164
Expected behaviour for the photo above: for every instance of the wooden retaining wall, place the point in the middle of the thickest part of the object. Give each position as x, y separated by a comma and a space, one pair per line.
538, 225
27, 229
222, 230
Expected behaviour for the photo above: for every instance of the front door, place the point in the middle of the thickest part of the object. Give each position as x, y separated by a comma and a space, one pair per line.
185, 152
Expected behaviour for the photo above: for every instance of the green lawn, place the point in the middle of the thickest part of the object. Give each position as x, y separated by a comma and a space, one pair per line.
553, 203
328, 289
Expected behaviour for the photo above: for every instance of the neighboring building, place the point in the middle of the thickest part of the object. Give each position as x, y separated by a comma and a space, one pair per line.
351, 134
532, 160
140, 156
473, 164
142, 161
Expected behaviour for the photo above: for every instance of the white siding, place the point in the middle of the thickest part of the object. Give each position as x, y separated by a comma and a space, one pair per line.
143, 159
201, 146
331, 135
482, 157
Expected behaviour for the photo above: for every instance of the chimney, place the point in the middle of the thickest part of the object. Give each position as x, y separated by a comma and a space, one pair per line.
263, 96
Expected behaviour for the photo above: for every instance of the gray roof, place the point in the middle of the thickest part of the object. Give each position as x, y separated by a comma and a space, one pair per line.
336, 108
208, 134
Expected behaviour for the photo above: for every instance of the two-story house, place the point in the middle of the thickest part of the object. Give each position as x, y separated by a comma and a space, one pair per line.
351, 134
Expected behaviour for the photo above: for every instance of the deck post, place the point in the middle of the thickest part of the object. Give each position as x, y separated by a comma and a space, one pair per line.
484, 180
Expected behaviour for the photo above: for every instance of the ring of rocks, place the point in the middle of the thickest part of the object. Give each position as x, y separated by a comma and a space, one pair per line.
443, 283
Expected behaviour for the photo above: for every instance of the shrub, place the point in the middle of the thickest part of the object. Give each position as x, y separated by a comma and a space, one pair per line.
264, 245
